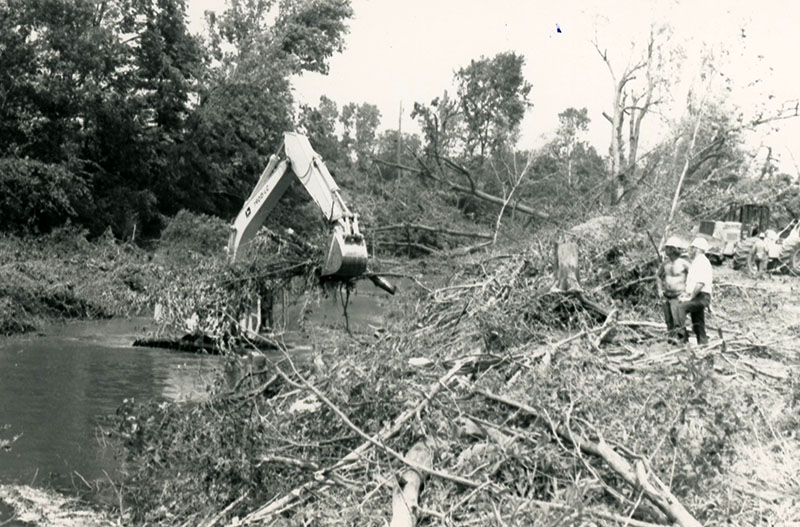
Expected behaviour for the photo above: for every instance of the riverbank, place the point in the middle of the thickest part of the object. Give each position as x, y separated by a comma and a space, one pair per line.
530, 409
22, 506
64, 276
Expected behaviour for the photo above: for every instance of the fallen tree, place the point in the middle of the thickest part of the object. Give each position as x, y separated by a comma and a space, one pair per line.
537, 413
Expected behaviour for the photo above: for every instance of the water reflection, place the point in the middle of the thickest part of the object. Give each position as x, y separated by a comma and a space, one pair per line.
54, 388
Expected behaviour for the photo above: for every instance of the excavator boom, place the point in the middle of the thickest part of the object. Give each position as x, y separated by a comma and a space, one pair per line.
347, 251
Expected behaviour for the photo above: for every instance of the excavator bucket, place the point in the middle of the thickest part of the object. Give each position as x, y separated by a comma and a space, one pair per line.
347, 255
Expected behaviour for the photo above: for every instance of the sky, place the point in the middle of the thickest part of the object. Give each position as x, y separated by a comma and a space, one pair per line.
401, 52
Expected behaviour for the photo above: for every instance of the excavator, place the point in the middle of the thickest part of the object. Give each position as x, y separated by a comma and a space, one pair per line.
347, 250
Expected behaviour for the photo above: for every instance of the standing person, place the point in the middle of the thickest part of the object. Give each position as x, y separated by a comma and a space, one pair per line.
697, 296
760, 254
672, 277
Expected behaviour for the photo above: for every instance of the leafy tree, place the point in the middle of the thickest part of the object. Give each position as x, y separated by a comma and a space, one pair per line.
257, 46
102, 89
168, 65
319, 124
441, 122
386, 149
572, 123
36, 196
493, 96
143, 115
360, 122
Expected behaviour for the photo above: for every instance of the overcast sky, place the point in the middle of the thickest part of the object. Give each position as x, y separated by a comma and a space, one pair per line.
399, 52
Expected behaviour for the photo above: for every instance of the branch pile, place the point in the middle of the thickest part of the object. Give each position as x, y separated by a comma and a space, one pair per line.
210, 299
489, 403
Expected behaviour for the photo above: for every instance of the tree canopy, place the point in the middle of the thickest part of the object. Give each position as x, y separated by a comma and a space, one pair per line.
129, 117
112, 113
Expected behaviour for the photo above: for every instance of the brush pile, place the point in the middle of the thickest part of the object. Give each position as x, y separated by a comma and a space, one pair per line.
212, 297
489, 400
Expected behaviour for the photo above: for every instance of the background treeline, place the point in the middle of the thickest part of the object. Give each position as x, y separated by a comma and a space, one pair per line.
113, 114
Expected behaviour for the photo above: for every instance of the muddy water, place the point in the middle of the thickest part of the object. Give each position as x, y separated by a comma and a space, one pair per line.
54, 388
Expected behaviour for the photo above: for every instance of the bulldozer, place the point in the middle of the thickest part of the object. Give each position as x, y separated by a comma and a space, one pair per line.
739, 222
732, 238
783, 248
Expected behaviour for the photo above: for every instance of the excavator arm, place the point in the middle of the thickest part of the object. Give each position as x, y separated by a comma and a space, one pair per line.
347, 250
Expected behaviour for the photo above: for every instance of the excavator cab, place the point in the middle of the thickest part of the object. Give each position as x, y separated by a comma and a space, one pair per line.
347, 250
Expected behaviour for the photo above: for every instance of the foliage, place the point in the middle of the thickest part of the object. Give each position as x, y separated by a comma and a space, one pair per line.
200, 292
360, 122
63, 275
493, 97
319, 125
441, 122
35, 197
149, 118
188, 237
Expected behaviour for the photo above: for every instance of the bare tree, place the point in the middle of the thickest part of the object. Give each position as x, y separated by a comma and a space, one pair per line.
636, 92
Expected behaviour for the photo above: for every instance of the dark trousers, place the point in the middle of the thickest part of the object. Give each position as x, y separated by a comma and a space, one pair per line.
761, 264
670, 304
696, 308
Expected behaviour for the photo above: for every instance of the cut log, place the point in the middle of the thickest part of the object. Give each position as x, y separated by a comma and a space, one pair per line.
406, 495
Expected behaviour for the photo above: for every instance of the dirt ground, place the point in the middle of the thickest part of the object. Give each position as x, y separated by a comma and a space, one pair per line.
765, 311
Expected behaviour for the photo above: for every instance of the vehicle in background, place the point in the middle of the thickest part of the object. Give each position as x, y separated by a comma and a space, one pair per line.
740, 222
783, 249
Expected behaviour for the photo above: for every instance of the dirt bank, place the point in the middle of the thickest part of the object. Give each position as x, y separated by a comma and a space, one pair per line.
21, 505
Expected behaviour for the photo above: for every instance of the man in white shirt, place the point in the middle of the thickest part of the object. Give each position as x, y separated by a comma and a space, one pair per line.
697, 296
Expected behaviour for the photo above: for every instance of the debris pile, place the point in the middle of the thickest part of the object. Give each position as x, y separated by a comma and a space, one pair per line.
486, 402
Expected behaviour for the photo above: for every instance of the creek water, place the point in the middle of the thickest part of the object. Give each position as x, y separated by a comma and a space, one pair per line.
56, 387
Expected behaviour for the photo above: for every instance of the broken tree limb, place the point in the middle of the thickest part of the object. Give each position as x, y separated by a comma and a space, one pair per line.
405, 497
421, 247
473, 191
636, 475
379, 444
270, 509
547, 505
417, 226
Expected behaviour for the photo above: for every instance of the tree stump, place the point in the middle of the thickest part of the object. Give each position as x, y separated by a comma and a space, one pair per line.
566, 265
568, 277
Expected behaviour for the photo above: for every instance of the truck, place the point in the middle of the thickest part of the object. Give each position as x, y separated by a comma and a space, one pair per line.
732, 237
739, 222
